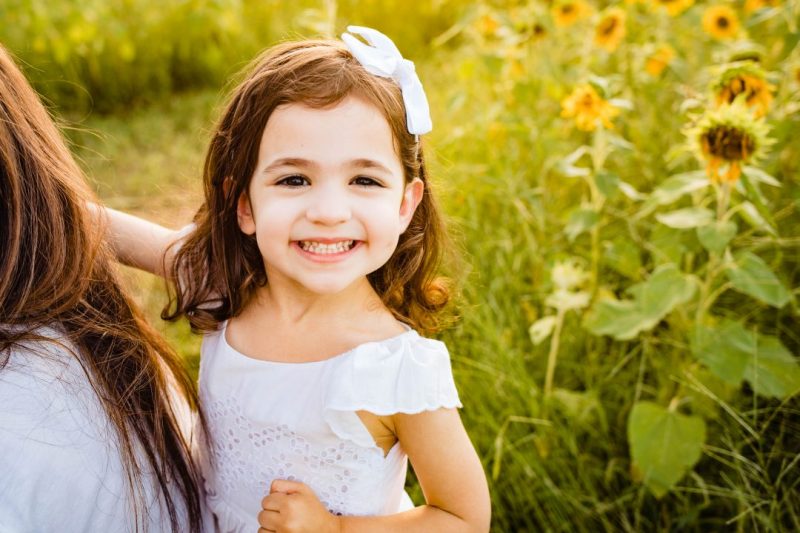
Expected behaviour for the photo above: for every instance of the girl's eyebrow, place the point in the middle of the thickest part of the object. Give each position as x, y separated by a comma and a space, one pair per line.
290, 162
298, 162
369, 164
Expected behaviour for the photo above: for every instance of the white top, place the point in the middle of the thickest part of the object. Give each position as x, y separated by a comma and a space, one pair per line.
60, 468
276, 420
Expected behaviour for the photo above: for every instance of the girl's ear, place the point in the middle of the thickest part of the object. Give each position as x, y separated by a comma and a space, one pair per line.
244, 215
411, 199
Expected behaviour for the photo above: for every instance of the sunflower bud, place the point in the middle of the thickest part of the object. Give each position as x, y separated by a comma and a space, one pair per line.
747, 79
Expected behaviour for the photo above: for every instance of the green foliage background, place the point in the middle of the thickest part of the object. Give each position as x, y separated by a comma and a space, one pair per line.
666, 400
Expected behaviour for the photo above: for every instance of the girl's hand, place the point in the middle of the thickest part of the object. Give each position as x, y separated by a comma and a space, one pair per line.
292, 507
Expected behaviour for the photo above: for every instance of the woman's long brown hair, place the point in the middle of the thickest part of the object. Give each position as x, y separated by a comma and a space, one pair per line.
55, 271
219, 267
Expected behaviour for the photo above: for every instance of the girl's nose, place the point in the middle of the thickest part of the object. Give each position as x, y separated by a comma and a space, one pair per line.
329, 208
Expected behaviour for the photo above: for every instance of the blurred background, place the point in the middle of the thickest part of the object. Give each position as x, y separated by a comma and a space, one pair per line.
623, 182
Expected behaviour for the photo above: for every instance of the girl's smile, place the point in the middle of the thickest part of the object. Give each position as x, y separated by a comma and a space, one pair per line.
328, 200
327, 250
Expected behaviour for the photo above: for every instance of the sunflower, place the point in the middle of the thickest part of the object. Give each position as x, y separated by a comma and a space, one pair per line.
568, 12
720, 21
588, 107
487, 25
728, 138
610, 30
538, 31
658, 60
747, 81
754, 5
674, 7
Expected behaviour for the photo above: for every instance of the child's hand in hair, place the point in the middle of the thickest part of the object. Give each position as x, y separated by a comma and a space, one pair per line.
292, 507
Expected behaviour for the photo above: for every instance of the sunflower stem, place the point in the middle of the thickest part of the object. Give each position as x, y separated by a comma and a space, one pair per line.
599, 154
552, 357
723, 198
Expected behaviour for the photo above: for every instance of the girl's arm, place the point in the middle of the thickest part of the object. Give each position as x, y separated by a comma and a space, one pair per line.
446, 465
138, 242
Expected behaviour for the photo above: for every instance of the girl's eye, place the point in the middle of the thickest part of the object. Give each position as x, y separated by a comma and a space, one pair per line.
364, 181
293, 181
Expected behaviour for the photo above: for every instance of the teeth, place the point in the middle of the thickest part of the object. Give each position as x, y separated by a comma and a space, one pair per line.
321, 248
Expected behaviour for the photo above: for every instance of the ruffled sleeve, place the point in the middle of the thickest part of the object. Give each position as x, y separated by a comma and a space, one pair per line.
407, 374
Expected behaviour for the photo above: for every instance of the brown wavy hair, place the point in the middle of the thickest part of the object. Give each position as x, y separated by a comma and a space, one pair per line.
219, 267
56, 272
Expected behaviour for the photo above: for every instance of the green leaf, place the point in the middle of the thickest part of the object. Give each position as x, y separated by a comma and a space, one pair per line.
668, 245
580, 221
723, 349
757, 199
678, 185
652, 300
566, 166
607, 183
734, 353
667, 288
751, 215
690, 217
630, 191
756, 174
664, 444
620, 255
772, 371
751, 275
715, 237
621, 319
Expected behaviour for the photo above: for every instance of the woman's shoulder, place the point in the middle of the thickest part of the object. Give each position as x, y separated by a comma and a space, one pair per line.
54, 436
45, 357
45, 393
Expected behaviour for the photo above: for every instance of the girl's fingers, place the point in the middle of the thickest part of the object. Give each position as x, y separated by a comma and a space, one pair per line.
268, 520
274, 502
286, 486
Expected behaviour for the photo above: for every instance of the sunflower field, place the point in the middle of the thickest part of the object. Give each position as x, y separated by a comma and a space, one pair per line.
623, 184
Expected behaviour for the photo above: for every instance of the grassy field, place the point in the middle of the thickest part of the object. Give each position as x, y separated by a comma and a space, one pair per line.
628, 332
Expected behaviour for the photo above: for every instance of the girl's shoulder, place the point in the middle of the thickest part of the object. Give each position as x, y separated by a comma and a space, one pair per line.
407, 373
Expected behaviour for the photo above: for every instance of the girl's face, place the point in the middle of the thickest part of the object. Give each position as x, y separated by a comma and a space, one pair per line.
328, 199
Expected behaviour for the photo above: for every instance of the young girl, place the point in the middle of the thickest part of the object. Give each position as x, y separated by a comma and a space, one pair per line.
309, 265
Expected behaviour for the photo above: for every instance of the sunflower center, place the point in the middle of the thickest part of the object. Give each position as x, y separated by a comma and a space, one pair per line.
608, 26
728, 143
567, 9
587, 102
723, 23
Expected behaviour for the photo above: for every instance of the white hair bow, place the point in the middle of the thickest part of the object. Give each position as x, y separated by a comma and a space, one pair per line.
382, 58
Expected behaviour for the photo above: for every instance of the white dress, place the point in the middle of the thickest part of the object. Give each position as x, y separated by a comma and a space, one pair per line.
275, 420
60, 465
